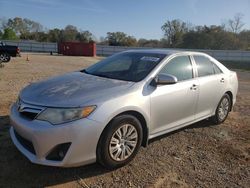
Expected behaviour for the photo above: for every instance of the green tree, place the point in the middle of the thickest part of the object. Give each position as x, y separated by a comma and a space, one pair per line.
174, 31
212, 37
84, 36
244, 36
17, 25
120, 39
40, 36
9, 34
149, 43
130, 41
24, 26
199, 38
116, 38
69, 33
55, 35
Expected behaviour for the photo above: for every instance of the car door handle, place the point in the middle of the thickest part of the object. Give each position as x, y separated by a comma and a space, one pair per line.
194, 87
222, 80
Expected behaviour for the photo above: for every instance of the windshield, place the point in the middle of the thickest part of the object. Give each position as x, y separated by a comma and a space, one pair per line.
128, 66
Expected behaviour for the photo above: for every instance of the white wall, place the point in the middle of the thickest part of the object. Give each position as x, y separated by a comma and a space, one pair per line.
225, 55
32, 46
102, 50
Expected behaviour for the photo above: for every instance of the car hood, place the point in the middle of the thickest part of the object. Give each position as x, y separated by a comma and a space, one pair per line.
72, 90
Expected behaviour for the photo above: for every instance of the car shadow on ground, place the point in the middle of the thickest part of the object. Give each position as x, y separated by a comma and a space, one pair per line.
16, 170
189, 128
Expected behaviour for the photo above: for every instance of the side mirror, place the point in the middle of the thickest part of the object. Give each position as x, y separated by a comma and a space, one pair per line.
165, 79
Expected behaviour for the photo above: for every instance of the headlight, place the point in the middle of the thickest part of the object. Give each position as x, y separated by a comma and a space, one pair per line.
63, 115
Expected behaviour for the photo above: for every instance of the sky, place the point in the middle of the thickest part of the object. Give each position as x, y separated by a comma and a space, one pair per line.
139, 18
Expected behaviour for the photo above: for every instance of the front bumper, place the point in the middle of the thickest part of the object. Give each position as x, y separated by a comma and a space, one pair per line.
83, 135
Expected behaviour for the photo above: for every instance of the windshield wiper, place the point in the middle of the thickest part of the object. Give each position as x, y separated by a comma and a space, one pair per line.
100, 75
84, 71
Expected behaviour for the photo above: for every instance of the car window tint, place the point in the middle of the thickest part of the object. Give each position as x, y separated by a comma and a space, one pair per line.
127, 66
204, 66
217, 69
121, 64
180, 67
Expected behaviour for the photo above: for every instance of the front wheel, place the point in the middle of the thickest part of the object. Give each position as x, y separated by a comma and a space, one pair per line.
119, 142
222, 110
4, 57
1, 64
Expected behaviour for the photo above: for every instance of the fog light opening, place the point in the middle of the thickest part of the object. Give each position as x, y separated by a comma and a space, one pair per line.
58, 153
61, 154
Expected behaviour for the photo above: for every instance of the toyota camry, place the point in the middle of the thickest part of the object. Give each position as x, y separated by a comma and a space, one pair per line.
107, 111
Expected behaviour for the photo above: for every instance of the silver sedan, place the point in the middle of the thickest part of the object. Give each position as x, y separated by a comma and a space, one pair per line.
107, 111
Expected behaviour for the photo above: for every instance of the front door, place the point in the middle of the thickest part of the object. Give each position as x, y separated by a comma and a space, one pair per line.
174, 105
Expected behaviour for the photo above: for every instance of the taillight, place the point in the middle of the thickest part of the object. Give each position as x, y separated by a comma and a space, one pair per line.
18, 50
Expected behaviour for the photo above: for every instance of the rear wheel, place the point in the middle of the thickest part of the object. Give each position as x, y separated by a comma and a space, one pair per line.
222, 110
5, 57
119, 142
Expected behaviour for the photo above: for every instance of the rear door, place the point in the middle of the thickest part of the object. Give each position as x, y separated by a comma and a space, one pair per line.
211, 84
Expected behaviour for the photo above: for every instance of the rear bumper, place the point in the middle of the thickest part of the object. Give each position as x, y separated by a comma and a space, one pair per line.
83, 135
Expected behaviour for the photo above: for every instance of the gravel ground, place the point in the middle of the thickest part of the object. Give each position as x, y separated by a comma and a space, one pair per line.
202, 155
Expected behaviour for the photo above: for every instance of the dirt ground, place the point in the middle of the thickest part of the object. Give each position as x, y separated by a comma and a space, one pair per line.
201, 155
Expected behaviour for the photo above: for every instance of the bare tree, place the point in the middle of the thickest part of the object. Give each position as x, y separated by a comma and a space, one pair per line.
235, 25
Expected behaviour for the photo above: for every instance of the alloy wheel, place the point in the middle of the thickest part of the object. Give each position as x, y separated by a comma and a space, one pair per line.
3, 57
223, 109
123, 142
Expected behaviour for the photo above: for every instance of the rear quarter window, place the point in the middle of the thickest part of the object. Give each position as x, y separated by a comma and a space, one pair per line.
216, 69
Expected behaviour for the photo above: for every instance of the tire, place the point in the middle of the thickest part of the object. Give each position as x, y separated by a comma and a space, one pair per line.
1, 64
222, 109
5, 57
122, 149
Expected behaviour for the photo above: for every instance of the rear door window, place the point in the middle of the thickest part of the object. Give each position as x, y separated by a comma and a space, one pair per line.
204, 66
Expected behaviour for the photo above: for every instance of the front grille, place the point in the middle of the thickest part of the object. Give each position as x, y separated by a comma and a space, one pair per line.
29, 115
25, 143
28, 111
